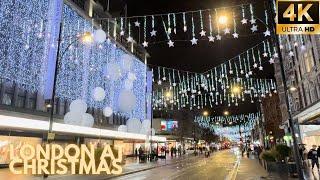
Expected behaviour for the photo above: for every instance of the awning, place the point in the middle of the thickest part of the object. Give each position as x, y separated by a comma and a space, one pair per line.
19, 123
312, 113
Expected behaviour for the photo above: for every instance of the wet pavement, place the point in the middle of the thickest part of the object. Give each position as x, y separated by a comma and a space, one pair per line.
216, 167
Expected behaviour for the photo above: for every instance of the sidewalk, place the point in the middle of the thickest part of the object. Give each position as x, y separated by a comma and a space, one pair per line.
250, 169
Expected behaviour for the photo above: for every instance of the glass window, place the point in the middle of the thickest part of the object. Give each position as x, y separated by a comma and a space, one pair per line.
7, 99
308, 60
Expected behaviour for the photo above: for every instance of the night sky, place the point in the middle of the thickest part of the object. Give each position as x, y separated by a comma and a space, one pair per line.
205, 55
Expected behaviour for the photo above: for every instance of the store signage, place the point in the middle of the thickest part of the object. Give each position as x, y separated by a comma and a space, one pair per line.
56, 159
298, 17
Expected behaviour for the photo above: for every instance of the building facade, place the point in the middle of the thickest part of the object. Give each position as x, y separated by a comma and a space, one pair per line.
301, 61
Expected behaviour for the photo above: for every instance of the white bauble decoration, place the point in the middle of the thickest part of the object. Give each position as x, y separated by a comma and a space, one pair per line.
128, 84
126, 62
123, 128
99, 36
87, 120
73, 118
113, 71
107, 111
78, 106
146, 124
132, 76
134, 125
98, 94
127, 101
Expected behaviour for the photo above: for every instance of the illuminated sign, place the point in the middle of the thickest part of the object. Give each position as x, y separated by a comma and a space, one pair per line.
55, 159
298, 17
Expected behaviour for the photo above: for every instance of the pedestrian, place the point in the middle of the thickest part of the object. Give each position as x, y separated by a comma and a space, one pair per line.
171, 151
313, 156
136, 153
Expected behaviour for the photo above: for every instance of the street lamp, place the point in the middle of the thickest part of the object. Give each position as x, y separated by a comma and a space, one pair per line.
292, 88
226, 113
205, 113
86, 38
223, 19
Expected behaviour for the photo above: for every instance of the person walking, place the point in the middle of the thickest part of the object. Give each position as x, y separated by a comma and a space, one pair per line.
313, 156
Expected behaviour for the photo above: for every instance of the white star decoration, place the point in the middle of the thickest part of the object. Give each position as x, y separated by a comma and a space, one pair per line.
265, 54
275, 55
137, 24
194, 41
159, 82
255, 65
247, 75
218, 37
291, 53
295, 44
253, 21
267, 33
235, 35
254, 28
271, 61
281, 46
231, 72
202, 33
171, 43
244, 21
121, 33
250, 72
184, 28
169, 30
145, 44
227, 30
260, 68
153, 33
211, 38
130, 39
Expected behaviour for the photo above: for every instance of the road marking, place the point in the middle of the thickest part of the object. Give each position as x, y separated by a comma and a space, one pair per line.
233, 174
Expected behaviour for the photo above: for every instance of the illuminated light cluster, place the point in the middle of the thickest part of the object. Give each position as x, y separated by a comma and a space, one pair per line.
24, 42
83, 67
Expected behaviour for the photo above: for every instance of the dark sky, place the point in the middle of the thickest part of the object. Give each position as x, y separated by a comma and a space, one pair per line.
203, 56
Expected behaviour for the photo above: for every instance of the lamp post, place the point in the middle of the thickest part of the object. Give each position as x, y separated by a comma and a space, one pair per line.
86, 38
290, 120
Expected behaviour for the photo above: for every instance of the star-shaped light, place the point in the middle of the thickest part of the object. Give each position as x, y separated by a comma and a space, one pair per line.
275, 55
241, 72
174, 84
145, 44
171, 43
253, 21
137, 24
254, 28
250, 73
153, 33
235, 35
291, 53
185, 28
218, 37
211, 38
255, 65
281, 46
260, 68
121, 33
159, 82
265, 54
271, 61
295, 44
230, 72
247, 75
169, 30
267, 33
130, 39
194, 41
164, 78
238, 79
226, 30
202, 33
244, 21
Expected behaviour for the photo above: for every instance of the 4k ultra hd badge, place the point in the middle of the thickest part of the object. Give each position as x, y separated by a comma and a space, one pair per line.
298, 17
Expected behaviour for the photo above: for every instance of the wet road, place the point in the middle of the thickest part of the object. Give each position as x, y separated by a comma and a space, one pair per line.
215, 167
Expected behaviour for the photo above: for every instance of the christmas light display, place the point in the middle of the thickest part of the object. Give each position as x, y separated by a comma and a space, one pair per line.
24, 42
87, 66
